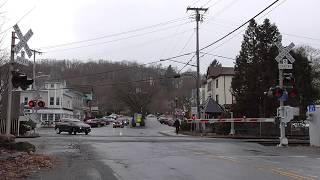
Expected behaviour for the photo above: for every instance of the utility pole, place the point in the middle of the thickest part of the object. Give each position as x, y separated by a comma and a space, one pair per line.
8, 123
34, 67
198, 18
34, 88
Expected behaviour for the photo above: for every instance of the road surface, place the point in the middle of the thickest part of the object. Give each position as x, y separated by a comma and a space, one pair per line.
146, 154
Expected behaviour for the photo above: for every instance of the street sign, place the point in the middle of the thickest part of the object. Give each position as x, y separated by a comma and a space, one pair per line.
23, 41
284, 96
22, 60
284, 52
311, 108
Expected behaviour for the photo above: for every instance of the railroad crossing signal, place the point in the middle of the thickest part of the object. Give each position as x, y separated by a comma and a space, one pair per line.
23, 41
284, 52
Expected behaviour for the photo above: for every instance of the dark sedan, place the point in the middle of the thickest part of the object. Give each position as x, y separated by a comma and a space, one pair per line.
72, 126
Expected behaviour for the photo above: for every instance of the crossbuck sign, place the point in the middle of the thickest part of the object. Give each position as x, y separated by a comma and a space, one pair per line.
284, 52
23, 41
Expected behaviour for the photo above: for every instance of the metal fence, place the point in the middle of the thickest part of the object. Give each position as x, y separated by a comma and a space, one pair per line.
14, 126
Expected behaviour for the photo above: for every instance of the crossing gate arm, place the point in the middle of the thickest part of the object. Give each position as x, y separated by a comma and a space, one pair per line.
236, 120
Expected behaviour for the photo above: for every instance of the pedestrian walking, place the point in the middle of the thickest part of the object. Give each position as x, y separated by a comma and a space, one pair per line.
177, 125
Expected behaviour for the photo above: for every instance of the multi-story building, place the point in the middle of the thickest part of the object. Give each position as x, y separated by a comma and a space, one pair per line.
217, 86
60, 101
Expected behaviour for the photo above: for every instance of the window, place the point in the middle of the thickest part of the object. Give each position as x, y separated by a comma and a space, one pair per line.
44, 117
57, 101
217, 83
52, 85
56, 117
209, 86
50, 117
217, 98
25, 101
51, 100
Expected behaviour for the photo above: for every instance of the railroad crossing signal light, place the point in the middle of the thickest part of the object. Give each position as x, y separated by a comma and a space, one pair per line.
293, 93
32, 103
20, 80
277, 92
41, 104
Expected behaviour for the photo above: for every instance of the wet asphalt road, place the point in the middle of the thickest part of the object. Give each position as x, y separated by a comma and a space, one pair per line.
138, 154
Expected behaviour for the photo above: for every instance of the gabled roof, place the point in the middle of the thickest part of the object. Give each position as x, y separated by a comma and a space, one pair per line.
219, 71
211, 106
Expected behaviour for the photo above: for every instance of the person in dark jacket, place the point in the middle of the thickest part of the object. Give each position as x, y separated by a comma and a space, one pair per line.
177, 125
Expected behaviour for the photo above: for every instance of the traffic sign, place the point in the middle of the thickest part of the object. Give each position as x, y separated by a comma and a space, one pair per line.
23, 41
285, 66
284, 52
284, 97
311, 108
22, 60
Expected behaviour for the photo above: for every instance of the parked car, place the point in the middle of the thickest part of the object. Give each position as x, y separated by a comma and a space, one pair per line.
117, 124
71, 125
95, 122
106, 121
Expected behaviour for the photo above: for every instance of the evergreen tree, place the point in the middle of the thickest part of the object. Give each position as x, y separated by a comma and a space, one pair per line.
302, 72
256, 70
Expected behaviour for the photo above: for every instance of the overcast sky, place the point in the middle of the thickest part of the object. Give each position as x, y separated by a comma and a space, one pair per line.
57, 22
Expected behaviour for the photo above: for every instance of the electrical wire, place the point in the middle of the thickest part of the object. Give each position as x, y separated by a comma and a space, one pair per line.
115, 40
195, 2
216, 55
228, 34
25, 15
217, 2
186, 44
206, 3
186, 63
235, 35
105, 72
115, 34
128, 82
300, 36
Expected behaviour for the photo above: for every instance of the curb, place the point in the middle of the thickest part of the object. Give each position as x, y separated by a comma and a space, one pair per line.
171, 133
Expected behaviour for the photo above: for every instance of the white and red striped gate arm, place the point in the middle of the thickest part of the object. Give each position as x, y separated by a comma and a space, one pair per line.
236, 120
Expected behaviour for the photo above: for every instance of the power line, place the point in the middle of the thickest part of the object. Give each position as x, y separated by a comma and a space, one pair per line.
25, 15
300, 36
216, 55
122, 69
228, 34
188, 41
195, 2
128, 82
205, 4
115, 34
105, 72
187, 63
217, 2
244, 29
119, 39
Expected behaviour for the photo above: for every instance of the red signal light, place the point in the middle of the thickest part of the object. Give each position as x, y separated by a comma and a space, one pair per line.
32, 103
293, 93
277, 92
41, 104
